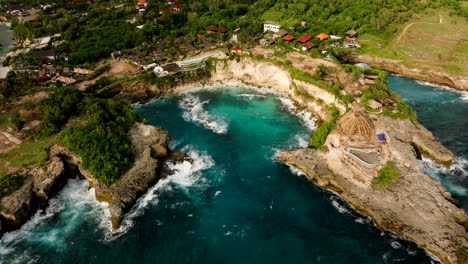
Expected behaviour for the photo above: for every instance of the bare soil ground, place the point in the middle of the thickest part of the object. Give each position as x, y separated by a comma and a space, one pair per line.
119, 69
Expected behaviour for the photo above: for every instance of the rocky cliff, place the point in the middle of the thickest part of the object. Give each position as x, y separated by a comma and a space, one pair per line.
415, 206
150, 146
265, 74
423, 74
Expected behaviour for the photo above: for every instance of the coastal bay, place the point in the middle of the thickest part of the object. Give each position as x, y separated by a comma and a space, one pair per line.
236, 199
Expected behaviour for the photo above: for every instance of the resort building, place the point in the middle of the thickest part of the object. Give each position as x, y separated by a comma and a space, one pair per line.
351, 34
322, 36
271, 26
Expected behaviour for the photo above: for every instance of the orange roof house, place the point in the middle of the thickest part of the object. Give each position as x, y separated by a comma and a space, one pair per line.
288, 37
322, 36
304, 38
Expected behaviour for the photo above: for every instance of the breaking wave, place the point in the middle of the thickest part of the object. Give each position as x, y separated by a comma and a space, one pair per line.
458, 171
307, 119
463, 94
185, 174
74, 205
194, 111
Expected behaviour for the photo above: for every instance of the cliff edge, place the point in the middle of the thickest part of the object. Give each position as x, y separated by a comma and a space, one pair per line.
150, 146
414, 205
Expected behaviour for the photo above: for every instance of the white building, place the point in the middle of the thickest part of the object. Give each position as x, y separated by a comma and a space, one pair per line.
271, 26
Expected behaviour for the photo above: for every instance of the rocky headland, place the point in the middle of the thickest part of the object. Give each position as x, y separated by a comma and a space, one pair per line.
150, 146
431, 75
414, 206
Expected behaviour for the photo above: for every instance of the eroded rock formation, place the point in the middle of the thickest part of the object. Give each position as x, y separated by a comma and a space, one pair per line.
415, 206
150, 146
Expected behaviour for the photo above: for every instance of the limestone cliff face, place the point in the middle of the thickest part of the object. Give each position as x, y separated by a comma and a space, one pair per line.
269, 75
416, 206
150, 146
395, 66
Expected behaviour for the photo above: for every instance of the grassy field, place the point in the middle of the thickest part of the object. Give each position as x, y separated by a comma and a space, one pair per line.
433, 39
28, 153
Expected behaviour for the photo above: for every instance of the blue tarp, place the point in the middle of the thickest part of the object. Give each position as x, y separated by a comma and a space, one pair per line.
381, 137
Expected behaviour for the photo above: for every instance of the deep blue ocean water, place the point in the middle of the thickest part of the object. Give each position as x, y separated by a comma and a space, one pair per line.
445, 113
234, 204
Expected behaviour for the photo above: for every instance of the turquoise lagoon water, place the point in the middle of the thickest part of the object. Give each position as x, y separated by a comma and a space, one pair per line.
234, 204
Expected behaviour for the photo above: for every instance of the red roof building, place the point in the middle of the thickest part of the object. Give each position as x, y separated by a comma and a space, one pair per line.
236, 50
288, 37
176, 7
307, 46
304, 38
214, 29
322, 36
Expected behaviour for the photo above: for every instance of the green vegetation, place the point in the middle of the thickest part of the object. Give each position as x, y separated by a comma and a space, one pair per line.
99, 135
16, 120
319, 136
30, 152
102, 142
197, 74
62, 104
387, 174
433, 38
17, 84
10, 183
98, 71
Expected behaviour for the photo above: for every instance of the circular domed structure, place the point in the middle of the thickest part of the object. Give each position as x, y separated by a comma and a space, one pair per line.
357, 127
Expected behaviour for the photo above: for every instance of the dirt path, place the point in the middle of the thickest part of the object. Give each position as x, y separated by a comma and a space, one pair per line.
441, 21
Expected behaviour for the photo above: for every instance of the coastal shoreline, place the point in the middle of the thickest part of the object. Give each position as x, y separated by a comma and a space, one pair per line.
267, 75
456, 82
237, 72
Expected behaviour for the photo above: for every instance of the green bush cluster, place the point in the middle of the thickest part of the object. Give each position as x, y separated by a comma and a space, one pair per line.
98, 71
10, 183
101, 139
61, 104
387, 174
319, 136
103, 143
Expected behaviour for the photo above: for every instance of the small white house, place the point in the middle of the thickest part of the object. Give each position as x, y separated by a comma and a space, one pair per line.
271, 26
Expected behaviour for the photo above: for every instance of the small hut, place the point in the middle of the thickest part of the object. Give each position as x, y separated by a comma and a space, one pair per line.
351, 34
357, 127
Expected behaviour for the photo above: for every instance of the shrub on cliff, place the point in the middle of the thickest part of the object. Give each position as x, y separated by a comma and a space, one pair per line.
10, 183
387, 174
58, 108
103, 143
319, 136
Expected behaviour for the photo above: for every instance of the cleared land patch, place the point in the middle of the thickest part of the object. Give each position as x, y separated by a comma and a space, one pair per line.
435, 39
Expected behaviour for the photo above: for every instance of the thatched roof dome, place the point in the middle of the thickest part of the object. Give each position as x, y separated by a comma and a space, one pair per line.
357, 127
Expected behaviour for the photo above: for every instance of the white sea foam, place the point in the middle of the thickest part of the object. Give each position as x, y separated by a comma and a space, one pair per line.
257, 90
339, 207
307, 119
75, 203
302, 141
395, 244
185, 174
457, 169
195, 112
296, 171
463, 94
